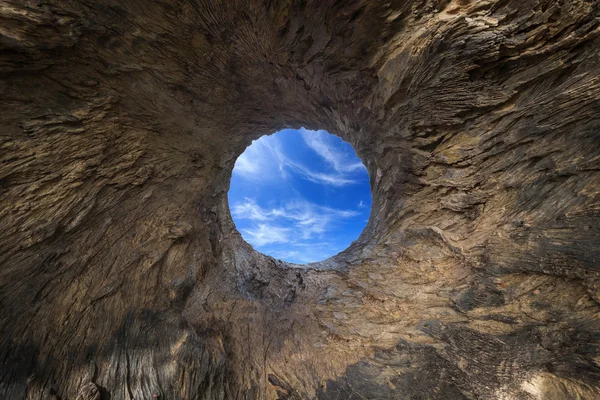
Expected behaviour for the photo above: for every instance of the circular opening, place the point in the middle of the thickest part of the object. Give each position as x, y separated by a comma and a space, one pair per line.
300, 196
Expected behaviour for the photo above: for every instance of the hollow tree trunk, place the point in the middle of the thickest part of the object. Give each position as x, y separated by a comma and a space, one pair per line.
122, 275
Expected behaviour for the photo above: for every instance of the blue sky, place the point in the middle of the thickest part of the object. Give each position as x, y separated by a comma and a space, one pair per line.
299, 195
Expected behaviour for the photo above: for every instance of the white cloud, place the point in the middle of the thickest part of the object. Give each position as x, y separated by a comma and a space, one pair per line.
300, 220
298, 257
265, 159
340, 161
319, 177
257, 161
245, 166
249, 210
267, 234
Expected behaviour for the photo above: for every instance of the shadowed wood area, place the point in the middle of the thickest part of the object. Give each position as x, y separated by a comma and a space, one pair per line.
122, 275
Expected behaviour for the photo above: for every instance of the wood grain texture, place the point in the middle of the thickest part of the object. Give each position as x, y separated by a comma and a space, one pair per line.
122, 275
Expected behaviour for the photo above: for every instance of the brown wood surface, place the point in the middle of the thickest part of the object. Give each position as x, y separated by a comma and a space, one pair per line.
122, 275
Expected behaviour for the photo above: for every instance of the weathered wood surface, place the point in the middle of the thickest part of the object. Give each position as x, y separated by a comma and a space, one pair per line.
122, 275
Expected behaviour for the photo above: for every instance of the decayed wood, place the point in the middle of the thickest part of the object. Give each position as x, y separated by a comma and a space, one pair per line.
88, 391
477, 275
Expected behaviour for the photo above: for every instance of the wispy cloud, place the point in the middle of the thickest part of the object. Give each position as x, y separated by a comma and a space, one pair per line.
256, 162
245, 165
250, 210
264, 234
302, 219
266, 159
319, 177
285, 162
320, 143
297, 256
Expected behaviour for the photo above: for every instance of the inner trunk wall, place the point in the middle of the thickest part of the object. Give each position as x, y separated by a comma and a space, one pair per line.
120, 267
